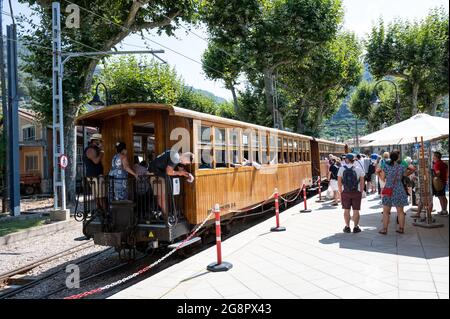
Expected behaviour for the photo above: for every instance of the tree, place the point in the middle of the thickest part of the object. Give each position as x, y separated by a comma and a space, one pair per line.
360, 104
102, 29
317, 87
218, 63
133, 79
412, 51
130, 79
270, 34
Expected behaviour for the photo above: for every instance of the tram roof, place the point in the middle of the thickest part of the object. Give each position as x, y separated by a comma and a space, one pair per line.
96, 116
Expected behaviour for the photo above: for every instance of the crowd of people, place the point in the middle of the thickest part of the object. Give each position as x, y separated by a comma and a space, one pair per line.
167, 164
351, 177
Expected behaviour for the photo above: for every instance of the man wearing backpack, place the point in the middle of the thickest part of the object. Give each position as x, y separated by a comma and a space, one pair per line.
351, 186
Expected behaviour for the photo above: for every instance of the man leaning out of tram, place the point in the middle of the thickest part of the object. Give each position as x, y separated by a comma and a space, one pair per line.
170, 163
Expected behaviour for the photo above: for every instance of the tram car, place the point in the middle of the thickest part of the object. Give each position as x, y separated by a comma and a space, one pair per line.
285, 161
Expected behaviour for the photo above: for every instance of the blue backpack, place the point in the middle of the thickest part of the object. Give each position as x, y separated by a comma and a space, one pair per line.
350, 179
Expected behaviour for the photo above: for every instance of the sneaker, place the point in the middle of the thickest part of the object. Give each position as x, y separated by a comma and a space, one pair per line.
443, 213
347, 229
356, 229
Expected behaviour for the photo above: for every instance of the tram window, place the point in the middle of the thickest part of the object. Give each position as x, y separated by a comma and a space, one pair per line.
273, 159
219, 147
205, 159
255, 147
246, 144
204, 135
220, 158
295, 151
205, 156
235, 150
285, 151
264, 157
280, 154
219, 136
291, 151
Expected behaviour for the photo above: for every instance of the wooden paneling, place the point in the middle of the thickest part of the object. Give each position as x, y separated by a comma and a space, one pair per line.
235, 189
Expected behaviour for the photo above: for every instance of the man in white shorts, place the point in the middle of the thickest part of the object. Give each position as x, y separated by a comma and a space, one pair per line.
333, 178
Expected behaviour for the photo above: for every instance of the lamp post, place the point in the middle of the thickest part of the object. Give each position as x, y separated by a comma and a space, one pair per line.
375, 99
96, 101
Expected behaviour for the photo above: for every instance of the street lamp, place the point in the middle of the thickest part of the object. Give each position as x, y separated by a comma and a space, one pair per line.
375, 100
96, 101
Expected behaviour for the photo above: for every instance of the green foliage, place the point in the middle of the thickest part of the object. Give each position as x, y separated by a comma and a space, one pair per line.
261, 35
133, 79
415, 51
130, 79
384, 113
318, 85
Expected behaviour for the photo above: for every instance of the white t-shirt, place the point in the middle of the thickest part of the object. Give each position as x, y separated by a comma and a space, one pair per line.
359, 172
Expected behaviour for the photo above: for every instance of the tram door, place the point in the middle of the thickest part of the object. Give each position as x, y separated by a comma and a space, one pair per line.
144, 142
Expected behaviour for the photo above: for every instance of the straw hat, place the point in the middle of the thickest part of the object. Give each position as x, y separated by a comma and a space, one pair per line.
96, 136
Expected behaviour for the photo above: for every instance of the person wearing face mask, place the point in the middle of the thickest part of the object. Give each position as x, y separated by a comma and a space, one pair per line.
92, 160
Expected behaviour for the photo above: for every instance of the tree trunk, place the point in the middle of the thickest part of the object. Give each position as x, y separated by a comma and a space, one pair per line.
70, 142
415, 93
235, 100
434, 105
300, 122
268, 89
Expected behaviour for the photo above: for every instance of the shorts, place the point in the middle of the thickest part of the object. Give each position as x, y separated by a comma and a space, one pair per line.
441, 192
158, 185
334, 185
351, 200
96, 186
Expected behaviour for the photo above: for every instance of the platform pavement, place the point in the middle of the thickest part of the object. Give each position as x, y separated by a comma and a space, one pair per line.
314, 259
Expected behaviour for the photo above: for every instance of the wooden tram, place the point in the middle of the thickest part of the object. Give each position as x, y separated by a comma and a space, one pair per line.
288, 160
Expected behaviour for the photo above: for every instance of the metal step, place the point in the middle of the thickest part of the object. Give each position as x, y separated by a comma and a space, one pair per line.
189, 242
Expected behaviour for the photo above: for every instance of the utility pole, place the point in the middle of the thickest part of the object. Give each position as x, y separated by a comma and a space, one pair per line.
59, 182
5, 172
13, 125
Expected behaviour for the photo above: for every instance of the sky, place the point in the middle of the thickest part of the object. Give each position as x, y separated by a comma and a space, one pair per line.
360, 16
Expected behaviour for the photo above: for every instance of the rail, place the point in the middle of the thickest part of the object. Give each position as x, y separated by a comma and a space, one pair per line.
156, 199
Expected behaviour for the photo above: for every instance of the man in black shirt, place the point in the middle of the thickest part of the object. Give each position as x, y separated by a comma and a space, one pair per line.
165, 165
92, 159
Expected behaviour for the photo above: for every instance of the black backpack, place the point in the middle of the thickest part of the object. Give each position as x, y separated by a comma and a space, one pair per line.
350, 179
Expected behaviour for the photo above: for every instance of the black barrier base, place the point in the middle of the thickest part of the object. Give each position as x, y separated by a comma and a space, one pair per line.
215, 267
306, 211
280, 228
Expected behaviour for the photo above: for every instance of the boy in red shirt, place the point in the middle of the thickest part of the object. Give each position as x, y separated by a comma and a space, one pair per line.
440, 170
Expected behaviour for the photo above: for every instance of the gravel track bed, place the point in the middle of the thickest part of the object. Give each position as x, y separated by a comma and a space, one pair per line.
23, 252
108, 258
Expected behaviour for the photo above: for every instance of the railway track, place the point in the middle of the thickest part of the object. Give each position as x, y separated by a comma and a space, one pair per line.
8, 277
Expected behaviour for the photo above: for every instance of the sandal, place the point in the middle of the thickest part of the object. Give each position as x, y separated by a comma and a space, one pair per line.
383, 231
400, 231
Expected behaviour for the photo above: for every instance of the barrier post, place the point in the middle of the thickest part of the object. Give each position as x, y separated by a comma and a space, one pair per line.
277, 214
320, 200
305, 210
219, 265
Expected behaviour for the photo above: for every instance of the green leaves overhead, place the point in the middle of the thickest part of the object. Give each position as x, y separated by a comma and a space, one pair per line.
415, 51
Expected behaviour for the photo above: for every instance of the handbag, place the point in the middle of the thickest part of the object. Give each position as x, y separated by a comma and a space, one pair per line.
388, 191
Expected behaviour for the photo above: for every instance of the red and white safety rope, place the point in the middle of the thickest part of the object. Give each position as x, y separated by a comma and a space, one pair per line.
143, 270
292, 200
254, 207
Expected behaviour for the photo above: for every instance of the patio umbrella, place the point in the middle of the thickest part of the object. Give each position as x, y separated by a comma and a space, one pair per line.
420, 125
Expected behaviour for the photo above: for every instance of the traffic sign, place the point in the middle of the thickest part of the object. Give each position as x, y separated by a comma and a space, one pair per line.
63, 161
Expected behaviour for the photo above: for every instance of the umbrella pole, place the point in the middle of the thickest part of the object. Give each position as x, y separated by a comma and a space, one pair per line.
429, 222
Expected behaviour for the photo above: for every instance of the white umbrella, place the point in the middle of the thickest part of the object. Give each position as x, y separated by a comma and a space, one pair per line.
420, 125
